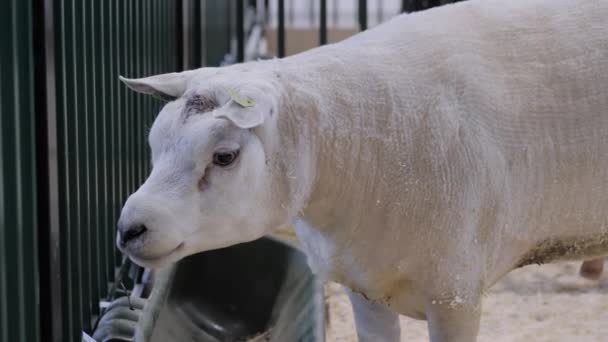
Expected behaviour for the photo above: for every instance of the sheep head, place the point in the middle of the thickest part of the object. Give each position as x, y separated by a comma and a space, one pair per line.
211, 183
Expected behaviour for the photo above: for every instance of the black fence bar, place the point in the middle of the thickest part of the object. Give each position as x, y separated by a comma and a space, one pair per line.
182, 54
281, 29
323, 23
198, 48
411, 5
87, 152
419, 5
51, 318
362, 15
18, 189
240, 31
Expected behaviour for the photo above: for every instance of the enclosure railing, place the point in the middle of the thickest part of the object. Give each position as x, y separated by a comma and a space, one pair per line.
97, 129
19, 267
72, 147
323, 13
73, 139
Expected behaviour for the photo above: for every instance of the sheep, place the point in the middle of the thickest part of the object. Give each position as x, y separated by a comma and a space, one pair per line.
419, 161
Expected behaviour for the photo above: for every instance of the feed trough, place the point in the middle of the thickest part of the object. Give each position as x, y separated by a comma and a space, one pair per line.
257, 291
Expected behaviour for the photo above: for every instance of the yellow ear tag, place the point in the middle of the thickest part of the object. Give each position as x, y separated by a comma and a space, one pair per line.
243, 101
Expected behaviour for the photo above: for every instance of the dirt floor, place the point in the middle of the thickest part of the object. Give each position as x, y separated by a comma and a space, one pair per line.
549, 303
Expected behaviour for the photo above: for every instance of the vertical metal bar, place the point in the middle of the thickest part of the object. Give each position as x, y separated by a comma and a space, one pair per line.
155, 69
196, 34
412, 5
142, 37
99, 120
130, 117
28, 237
135, 97
281, 29
169, 21
82, 162
434, 3
154, 39
115, 89
149, 66
127, 117
121, 111
144, 4
240, 31
51, 316
105, 117
363, 15
92, 227
112, 86
323, 23
18, 253
137, 108
117, 111
4, 310
133, 18
63, 18
181, 40
73, 119
123, 120
146, 71
185, 28
4, 325
201, 28
158, 35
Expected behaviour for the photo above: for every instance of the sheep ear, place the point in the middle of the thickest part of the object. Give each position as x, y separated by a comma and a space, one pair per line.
244, 111
167, 87
244, 118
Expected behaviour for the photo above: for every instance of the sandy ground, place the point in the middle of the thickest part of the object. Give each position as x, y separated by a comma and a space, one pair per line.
549, 303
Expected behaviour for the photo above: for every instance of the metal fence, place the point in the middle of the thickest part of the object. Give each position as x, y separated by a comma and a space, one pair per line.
99, 132
18, 236
73, 139
72, 147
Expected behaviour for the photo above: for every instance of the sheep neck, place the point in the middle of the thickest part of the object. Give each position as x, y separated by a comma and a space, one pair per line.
338, 131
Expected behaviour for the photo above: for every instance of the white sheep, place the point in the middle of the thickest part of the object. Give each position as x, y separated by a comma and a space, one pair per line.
420, 161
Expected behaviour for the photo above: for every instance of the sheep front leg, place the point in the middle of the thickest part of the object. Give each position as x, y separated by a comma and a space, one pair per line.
448, 323
375, 322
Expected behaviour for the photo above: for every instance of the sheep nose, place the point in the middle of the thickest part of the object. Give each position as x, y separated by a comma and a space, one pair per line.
130, 233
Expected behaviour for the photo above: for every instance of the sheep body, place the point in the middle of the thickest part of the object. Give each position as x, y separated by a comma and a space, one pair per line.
425, 158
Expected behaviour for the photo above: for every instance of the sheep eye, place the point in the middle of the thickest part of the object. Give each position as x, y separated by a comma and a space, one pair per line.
224, 159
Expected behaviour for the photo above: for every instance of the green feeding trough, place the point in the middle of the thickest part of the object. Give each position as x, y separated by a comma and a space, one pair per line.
256, 291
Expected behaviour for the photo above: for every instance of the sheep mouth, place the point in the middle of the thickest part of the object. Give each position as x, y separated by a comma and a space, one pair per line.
157, 259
